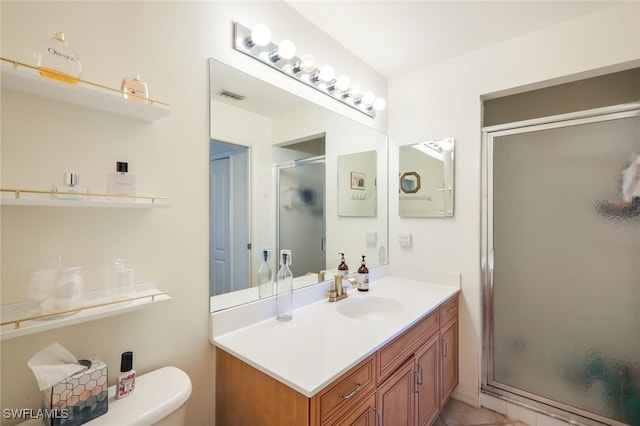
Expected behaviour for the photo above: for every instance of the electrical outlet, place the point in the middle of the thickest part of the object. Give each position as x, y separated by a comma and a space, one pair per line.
405, 239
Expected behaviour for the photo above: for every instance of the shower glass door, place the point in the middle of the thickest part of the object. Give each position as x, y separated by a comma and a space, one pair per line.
561, 258
301, 223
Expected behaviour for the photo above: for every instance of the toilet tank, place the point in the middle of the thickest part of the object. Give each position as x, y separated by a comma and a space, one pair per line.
160, 399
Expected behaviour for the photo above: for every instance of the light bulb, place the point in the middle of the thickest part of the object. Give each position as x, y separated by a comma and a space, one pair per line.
261, 35
343, 82
368, 98
327, 73
446, 144
287, 68
308, 63
287, 49
355, 92
379, 104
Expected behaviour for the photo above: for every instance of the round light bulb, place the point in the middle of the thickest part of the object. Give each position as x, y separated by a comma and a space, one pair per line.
368, 98
343, 82
327, 73
261, 35
308, 63
287, 49
379, 104
355, 92
288, 68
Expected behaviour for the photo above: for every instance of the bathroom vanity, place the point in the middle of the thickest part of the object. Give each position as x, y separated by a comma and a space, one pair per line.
386, 357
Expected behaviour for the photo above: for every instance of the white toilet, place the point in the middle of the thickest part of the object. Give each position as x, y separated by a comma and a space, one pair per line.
160, 399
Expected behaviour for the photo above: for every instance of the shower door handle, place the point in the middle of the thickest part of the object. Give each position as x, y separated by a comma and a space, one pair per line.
491, 265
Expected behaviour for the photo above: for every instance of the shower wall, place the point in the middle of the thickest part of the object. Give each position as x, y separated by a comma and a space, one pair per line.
566, 277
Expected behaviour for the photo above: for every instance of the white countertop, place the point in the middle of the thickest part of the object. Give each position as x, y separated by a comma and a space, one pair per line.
319, 344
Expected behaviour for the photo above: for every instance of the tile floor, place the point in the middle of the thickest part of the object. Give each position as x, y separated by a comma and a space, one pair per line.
457, 413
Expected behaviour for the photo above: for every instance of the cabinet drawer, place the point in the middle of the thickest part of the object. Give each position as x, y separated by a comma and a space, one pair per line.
348, 389
402, 347
363, 414
448, 310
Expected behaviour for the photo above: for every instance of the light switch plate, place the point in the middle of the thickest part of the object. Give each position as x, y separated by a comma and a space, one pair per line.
372, 237
405, 239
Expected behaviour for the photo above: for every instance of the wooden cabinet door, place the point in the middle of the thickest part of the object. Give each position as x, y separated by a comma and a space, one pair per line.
428, 378
396, 397
448, 359
364, 414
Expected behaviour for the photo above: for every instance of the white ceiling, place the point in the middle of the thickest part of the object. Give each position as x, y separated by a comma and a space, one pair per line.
396, 36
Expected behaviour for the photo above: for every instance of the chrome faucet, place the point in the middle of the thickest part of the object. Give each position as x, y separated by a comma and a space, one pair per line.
338, 292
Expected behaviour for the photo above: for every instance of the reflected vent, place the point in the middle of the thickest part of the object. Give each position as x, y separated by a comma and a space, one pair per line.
232, 95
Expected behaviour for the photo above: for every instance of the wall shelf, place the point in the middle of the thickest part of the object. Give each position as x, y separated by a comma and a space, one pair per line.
27, 197
25, 78
26, 318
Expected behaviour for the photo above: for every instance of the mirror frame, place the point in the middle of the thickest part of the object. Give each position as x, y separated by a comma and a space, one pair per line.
417, 186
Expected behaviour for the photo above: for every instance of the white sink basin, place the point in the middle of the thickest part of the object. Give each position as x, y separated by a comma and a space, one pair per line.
368, 306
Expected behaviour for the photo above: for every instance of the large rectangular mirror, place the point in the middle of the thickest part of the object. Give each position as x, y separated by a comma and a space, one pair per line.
427, 179
290, 149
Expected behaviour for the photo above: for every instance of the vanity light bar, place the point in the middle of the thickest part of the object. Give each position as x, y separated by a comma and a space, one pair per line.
257, 44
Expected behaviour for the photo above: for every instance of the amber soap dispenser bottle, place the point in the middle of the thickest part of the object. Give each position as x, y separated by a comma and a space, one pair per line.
126, 381
343, 268
363, 276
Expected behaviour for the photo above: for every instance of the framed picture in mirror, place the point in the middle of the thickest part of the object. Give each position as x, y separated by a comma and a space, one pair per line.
358, 181
410, 182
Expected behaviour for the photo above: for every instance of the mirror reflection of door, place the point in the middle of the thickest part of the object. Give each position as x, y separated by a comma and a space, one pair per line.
229, 240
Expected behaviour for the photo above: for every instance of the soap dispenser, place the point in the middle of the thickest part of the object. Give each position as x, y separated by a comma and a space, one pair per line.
343, 269
284, 288
265, 277
363, 276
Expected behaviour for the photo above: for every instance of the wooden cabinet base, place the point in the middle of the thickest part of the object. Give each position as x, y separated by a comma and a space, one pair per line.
406, 382
247, 396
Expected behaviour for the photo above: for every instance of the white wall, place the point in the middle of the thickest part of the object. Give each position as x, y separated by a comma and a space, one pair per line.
169, 44
445, 101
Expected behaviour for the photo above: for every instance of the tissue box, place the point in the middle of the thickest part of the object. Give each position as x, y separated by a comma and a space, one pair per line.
78, 398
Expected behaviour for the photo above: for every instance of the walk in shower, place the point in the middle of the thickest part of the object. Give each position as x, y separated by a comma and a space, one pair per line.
561, 264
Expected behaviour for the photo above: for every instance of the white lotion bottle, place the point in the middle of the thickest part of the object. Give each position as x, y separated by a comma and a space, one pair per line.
126, 381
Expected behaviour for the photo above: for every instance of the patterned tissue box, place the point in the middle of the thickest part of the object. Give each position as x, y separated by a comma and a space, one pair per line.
78, 398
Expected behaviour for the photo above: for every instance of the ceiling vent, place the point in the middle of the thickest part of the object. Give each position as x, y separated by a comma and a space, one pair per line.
233, 95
